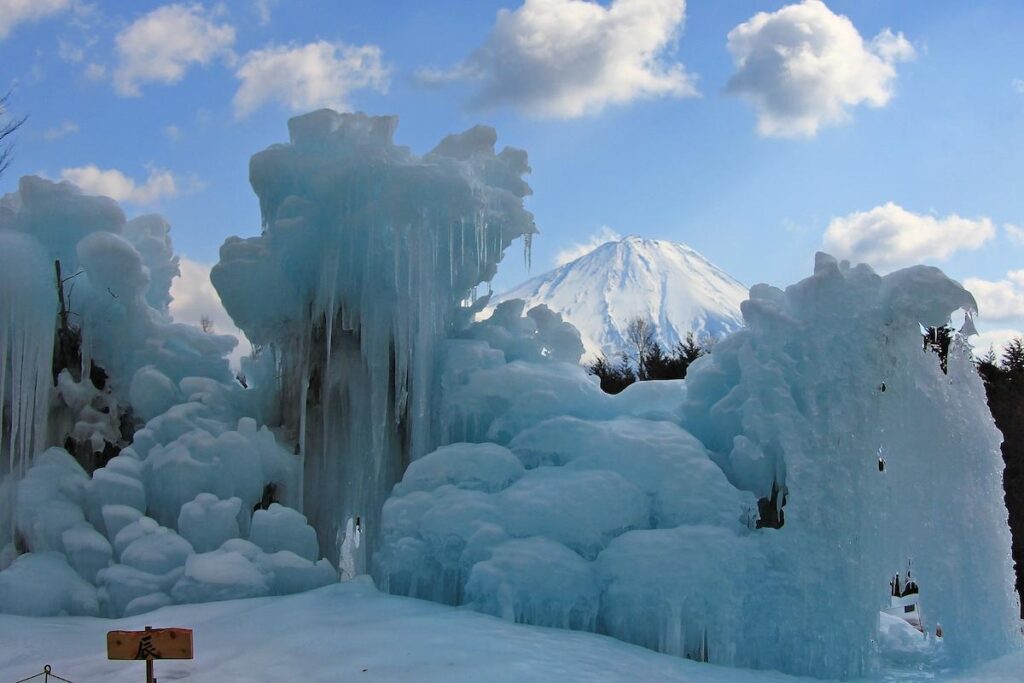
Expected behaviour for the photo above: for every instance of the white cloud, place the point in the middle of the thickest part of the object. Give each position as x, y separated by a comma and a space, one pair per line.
1018, 85
1014, 233
995, 340
95, 72
162, 45
116, 185
70, 52
195, 297
62, 131
578, 249
803, 67
14, 12
1001, 300
308, 76
172, 132
889, 237
263, 10
569, 58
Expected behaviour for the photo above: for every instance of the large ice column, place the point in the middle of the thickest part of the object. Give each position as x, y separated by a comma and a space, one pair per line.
881, 458
366, 254
28, 303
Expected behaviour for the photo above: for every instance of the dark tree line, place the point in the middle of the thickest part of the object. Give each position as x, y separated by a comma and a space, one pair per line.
1004, 384
645, 359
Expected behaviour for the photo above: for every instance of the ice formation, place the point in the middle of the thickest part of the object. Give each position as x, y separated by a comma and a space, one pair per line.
738, 517
147, 461
650, 516
367, 254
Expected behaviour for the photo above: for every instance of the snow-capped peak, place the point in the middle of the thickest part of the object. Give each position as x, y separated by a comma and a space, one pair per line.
667, 283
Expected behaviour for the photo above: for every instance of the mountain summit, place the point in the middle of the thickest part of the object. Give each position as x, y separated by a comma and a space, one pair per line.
667, 283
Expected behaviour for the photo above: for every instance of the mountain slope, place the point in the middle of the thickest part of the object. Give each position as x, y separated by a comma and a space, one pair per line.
667, 283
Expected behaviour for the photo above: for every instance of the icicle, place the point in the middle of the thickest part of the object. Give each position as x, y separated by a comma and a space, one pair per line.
28, 298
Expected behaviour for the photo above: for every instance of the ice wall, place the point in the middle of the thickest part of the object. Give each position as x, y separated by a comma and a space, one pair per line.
160, 484
366, 255
645, 515
827, 379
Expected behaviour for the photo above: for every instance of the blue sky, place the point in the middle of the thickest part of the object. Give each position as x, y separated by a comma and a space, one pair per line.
890, 131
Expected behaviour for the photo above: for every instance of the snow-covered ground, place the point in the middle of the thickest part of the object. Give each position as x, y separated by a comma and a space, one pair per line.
352, 632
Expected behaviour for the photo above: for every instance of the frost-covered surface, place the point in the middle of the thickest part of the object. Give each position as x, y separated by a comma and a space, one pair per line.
350, 631
517, 487
366, 256
635, 515
156, 461
667, 283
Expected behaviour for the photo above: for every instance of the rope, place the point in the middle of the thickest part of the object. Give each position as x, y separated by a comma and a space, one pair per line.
47, 673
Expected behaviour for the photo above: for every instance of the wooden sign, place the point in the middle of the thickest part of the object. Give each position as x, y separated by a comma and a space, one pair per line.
157, 643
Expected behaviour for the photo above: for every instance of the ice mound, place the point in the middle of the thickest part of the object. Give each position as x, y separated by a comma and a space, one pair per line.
164, 458
669, 496
42, 585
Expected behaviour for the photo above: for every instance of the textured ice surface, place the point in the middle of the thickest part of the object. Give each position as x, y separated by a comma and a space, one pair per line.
366, 257
161, 440
655, 489
527, 492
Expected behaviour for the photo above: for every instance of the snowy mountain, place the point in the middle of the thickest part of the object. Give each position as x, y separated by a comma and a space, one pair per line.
667, 283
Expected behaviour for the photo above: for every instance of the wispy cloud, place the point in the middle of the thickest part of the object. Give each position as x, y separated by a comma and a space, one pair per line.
62, 131
578, 249
14, 12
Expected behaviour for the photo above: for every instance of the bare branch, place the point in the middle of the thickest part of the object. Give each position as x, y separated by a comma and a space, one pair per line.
7, 128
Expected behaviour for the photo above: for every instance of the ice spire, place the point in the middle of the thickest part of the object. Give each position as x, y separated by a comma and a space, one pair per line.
366, 256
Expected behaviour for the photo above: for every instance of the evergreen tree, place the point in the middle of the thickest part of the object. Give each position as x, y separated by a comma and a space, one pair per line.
1004, 386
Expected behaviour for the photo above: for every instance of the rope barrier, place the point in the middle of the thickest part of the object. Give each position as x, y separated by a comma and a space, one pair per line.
47, 674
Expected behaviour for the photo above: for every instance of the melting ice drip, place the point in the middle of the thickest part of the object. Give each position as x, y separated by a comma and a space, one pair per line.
366, 254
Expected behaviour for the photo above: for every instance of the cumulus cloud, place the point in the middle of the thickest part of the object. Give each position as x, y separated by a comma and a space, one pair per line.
803, 67
62, 131
195, 298
1001, 300
14, 12
162, 45
319, 74
889, 237
116, 185
568, 58
995, 340
1014, 233
578, 249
